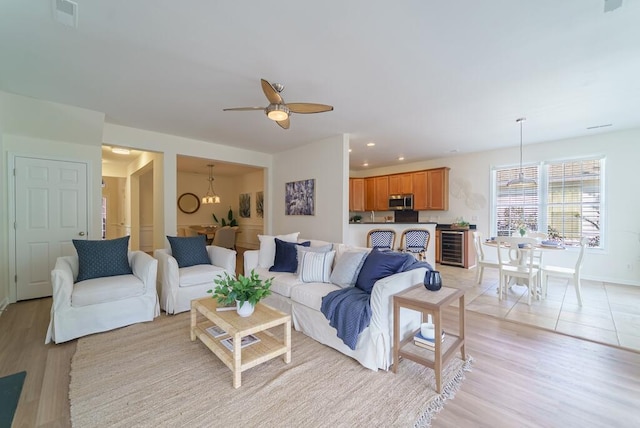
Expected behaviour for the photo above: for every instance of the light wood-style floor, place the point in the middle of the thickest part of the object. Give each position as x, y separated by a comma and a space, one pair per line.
522, 376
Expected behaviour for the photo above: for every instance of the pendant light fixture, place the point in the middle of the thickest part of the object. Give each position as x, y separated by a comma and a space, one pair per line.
211, 197
521, 181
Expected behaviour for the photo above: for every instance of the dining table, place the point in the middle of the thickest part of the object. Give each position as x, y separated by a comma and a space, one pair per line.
208, 231
541, 246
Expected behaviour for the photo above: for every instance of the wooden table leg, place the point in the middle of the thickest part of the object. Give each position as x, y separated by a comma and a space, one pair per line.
396, 334
194, 316
461, 320
287, 341
438, 351
237, 360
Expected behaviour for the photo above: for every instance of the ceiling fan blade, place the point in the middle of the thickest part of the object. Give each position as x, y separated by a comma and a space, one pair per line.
305, 108
284, 124
242, 108
272, 95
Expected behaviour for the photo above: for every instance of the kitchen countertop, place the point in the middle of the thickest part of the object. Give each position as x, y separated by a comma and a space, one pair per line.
448, 226
394, 222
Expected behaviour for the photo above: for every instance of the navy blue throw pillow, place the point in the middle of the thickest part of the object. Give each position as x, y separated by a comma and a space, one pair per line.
189, 250
286, 259
377, 265
97, 259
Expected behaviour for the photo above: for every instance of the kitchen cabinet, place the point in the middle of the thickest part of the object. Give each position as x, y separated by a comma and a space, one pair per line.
369, 194
381, 193
431, 189
356, 194
419, 179
438, 189
400, 184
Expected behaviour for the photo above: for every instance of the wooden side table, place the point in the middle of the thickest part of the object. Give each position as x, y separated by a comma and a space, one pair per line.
418, 298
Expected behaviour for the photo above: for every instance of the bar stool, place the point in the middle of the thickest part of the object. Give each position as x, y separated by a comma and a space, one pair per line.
415, 241
381, 238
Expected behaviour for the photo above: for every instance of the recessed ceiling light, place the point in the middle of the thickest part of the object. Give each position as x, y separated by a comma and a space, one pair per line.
371, 144
401, 158
365, 164
120, 150
349, 150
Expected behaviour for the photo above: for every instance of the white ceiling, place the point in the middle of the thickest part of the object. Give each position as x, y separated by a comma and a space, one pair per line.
420, 79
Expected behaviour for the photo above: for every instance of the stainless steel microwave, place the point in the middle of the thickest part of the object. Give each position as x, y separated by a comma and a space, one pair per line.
401, 202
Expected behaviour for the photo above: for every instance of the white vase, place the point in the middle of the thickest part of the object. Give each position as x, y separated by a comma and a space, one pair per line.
244, 309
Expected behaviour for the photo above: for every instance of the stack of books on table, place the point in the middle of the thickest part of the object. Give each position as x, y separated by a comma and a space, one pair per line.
423, 342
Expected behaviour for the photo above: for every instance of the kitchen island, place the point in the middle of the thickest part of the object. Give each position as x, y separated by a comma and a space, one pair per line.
357, 234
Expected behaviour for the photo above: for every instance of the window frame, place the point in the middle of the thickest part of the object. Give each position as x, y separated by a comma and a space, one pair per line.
543, 192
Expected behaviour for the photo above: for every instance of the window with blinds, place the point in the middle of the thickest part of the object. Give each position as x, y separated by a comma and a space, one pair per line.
565, 203
574, 192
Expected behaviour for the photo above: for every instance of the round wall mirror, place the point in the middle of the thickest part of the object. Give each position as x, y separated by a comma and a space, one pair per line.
188, 203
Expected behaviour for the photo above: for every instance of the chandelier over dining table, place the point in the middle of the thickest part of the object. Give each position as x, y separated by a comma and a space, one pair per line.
211, 197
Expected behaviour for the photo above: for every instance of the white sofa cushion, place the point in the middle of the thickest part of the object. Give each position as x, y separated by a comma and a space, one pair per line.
311, 294
315, 266
199, 274
268, 247
282, 283
102, 290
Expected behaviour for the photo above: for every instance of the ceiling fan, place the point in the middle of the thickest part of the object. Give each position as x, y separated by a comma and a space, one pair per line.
277, 110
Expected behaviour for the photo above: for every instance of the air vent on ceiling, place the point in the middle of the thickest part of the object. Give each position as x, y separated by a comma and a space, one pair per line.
65, 12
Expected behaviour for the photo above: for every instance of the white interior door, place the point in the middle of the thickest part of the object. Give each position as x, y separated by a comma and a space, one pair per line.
51, 210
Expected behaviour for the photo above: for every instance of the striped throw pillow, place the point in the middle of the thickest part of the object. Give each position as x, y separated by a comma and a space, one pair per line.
316, 267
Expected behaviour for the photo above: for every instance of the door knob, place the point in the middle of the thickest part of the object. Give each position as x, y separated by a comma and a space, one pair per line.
81, 233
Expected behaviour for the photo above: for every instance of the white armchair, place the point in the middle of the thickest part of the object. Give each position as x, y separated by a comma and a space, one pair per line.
178, 286
101, 304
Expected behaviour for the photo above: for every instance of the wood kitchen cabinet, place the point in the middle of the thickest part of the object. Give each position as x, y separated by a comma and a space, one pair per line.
438, 189
369, 194
400, 184
431, 189
381, 193
356, 194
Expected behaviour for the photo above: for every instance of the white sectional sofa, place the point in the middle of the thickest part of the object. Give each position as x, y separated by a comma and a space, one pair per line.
303, 301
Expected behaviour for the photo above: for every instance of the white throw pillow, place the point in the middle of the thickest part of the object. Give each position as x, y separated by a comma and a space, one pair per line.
315, 267
267, 253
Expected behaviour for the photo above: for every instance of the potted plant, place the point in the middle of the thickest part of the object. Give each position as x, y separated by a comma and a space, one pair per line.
356, 218
246, 291
229, 221
460, 223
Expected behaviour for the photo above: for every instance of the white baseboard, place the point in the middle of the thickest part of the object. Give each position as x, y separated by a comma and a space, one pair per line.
3, 304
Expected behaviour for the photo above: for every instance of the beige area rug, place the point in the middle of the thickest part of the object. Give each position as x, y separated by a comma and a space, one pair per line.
151, 374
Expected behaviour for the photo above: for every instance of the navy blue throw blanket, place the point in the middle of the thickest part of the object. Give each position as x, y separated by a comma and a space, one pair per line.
349, 310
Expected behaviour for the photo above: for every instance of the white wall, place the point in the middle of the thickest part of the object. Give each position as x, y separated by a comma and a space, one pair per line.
42, 129
171, 146
198, 184
619, 261
325, 161
250, 227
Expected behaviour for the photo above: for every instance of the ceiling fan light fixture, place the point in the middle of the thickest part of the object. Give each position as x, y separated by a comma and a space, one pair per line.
521, 181
277, 112
211, 197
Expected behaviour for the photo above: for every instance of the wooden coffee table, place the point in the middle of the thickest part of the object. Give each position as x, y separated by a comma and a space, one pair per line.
240, 359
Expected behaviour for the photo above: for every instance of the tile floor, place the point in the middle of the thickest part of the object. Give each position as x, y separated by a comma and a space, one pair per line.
610, 313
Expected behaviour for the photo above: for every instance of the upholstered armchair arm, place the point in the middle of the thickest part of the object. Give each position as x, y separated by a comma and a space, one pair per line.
63, 276
144, 268
222, 257
382, 301
250, 260
168, 278
62, 279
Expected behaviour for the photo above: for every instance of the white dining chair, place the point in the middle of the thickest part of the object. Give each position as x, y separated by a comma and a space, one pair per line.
481, 261
537, 255
515, 259
566, 272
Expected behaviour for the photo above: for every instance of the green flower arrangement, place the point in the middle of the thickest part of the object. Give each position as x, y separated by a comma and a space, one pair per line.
250, 289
